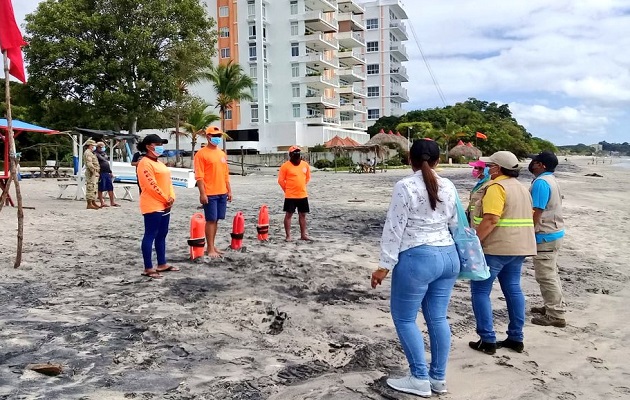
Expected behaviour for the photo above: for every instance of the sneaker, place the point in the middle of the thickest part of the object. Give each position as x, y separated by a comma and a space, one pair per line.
411, 384
539, 310
511, 344
438, 387
547, 320
484, 347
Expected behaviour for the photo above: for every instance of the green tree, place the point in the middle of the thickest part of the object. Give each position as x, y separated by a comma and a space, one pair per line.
113, 60
231, 85
197, 120
385, 123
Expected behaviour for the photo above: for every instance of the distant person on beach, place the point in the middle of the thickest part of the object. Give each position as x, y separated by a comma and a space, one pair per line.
549, 227
418, 248
106, 177
156, 200
213, 181
293, 177
92, 171
480, 172
504, 224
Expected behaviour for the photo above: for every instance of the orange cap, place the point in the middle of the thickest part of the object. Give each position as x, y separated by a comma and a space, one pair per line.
294, 148
213, 130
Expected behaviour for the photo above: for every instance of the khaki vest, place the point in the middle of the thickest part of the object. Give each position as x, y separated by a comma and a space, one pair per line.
514, 233
474, 198
551, 220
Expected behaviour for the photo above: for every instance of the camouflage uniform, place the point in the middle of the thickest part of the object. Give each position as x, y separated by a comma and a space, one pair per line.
92, 170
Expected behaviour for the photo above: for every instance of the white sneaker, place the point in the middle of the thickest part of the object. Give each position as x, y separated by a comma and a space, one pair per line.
438, 387
410, 384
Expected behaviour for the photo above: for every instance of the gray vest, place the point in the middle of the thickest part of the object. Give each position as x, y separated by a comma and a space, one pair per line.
551, 220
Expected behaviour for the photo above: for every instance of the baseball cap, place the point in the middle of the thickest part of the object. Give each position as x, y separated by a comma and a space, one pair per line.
214, 131
153, 139
504, 159
90, 142
100, 144
477, 164
546, 158
293, 149
425, 149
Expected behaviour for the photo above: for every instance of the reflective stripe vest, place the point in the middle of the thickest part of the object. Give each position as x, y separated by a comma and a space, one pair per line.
551, 220
474, 198
514, 234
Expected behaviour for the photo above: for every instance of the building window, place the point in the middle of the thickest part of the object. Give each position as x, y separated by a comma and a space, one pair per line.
253, 71
294, 7
372, 46
225, 52
224, 32
255, 92
295, 90
252, 31
251, 8
295, 49
266, 94
266, 113
373, 113
252, 51
264, 32
228, 113
254, 112
296, 111
373, 69
223, 12
371, 23
295, 70
265, 53
266, 73
373, 91
264, 11
294, 28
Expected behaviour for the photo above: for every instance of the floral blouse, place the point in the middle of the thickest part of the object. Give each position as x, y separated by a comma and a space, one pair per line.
411, 222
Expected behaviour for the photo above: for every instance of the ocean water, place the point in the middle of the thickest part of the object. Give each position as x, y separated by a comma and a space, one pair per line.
623, 162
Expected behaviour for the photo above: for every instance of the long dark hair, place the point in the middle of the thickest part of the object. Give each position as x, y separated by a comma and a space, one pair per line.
424, 155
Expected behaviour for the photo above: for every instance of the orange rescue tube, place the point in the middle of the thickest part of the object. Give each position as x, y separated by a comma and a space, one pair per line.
263, 223
238, 229
197, 241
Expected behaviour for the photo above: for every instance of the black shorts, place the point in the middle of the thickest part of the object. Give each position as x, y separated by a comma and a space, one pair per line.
291, 204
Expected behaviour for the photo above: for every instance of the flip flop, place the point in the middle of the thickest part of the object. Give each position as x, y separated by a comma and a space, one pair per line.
115, 205
170, 268
152, 275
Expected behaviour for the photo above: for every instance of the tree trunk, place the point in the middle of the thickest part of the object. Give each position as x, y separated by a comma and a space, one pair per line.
223, 125
193, 140
177, 158
134, 125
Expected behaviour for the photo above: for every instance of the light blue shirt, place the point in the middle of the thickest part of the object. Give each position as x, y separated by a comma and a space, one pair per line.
541, 192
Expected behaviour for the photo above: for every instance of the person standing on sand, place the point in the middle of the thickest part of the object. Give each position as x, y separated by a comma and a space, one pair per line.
505, 227
418, 247
480, 171
213, 181
156, 200
549, 227
293, 177
106, 177
92, 170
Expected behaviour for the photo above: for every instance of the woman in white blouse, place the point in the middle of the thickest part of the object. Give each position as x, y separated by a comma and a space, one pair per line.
418, 248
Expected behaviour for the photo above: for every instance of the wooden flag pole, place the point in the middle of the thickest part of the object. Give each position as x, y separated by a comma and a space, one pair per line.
13, 166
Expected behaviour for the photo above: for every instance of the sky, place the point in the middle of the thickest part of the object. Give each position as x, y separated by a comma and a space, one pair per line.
562, 66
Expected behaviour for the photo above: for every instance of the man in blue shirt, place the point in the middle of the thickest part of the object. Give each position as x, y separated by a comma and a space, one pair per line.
549, 227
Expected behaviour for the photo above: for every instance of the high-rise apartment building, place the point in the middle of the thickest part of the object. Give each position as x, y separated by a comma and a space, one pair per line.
385, 54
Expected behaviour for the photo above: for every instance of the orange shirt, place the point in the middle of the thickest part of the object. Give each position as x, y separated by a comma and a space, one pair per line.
155, 181
293, 179
211, 167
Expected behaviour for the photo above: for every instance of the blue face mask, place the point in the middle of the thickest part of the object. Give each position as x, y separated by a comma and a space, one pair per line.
215, 141
159, 150
103, 149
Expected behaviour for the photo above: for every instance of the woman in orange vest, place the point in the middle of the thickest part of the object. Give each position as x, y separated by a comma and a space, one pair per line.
156, 200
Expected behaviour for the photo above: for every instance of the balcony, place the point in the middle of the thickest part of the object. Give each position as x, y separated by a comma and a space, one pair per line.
353, 108
356, 20
350, 124
317, 61
317, 118
351, 57
319, 98
400, 72
350, 90
399, 93
323, 5
350, 39
351, 75
399, 51
351, 6
321, 22
320, 82
319, 42
399, 29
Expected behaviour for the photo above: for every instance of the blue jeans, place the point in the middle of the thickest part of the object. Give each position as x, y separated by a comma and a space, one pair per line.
508, 270
155, 230
424, 277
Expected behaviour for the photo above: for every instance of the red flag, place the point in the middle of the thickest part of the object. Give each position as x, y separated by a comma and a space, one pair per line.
11, 40
481, 136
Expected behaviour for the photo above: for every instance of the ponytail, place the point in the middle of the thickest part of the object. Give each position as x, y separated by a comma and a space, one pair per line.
431, 183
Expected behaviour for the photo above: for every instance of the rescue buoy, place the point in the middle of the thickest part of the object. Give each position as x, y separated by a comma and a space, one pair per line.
197, 241
238, 229
263, 223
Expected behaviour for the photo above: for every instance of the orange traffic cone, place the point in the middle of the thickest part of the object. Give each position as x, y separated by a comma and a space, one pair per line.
197, 241
263, 223
238, 229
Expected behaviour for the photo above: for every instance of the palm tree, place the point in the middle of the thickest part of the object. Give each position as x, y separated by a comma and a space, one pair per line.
196, 123
231, 85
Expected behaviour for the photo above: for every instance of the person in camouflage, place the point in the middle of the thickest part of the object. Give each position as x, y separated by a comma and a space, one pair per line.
92, 170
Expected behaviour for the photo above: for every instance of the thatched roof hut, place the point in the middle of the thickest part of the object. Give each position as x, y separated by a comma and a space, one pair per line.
383, 138
465, 150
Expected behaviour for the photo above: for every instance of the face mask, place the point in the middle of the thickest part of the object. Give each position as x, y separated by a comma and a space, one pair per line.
159, 150
477, 173
102, 149
530, 167
215, 141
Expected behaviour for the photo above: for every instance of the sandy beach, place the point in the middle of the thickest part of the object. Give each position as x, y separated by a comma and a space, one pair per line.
215, 330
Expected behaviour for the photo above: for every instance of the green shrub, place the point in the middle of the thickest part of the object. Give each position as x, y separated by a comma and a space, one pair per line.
344, 162
323, 163
394, 162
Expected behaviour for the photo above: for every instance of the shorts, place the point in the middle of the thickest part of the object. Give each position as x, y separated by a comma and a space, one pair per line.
291, 204
216, 207
105, 183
